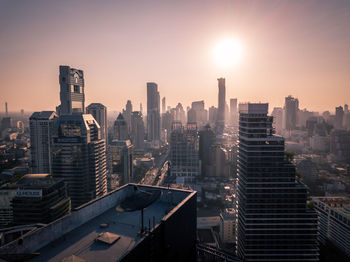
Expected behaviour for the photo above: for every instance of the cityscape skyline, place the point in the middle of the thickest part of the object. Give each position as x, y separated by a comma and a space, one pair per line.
273, 65
175, 131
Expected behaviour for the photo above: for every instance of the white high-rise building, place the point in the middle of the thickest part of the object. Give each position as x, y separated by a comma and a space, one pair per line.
99, 112
40, 138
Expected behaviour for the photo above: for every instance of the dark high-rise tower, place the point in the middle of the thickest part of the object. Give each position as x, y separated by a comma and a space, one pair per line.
291, 108
41, 124
220, 121
79, 157
339, 117
72, 91
274, 223
153, 113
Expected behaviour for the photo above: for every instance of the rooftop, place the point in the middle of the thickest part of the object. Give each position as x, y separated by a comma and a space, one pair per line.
99, 230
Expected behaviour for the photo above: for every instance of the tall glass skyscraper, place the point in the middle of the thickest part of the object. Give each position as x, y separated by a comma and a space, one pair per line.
274, 223
220, 120
153, 113
79, 157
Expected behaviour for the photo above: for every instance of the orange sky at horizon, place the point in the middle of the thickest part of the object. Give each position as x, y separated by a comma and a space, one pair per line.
290, 48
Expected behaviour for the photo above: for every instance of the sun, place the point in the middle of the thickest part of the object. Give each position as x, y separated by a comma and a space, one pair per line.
227, 52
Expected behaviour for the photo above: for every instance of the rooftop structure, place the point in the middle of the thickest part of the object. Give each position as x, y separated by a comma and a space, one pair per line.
100, 231
334, 221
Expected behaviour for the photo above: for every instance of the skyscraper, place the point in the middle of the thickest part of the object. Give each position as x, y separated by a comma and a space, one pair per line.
291, 108
213, 114
79, 157
153, 113
200, 115
127, 114
121, 158
220, 120
184, 157
163, 105
277, 114
233, 111
99, 112
137, 130
71, 91
274, 223
339, 117
120, 128
41, 124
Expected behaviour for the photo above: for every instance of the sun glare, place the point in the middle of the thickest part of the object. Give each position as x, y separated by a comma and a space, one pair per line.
228, 52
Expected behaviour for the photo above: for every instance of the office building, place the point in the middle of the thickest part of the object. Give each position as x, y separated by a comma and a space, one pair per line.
340, 145
163, 105
198, 114
153, 114
339, 117
184, 157
291, 108
274, 223
137, 130
334, 221
120, 153
40, 124
7, 193
277, 114
120, 128
99, 112
6, 123
71, 91
79, 157
233, 112
227, 225
111, 228
180, 114
213, 114
127, 114
220, 120
206, 142
40, 199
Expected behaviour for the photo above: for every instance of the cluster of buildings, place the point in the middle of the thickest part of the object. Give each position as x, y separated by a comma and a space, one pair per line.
233, 193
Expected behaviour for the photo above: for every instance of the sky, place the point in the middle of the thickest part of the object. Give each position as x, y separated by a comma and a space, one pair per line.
299, 48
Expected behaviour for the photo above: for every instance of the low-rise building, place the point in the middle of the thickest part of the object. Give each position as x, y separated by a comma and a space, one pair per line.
334, 221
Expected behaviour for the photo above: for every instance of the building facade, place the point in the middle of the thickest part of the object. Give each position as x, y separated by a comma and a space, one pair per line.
121, 157
79, 157
71, 91
274, 223
220, 120
137, 130
334, 221
99, 112
41, 124
40, 199
291, 108
153, 114
184, 156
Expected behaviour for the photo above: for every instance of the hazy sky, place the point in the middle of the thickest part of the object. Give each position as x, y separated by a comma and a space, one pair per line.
292, 47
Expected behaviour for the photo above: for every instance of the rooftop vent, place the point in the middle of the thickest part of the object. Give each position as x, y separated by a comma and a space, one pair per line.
108, 238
